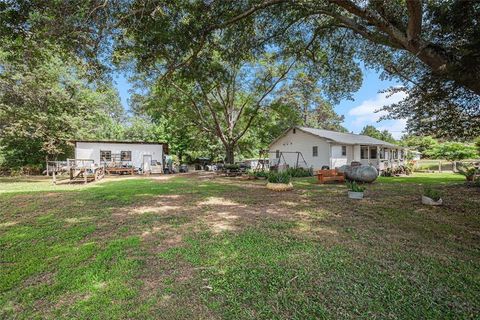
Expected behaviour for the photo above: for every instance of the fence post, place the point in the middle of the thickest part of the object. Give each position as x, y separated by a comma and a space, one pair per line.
440, 166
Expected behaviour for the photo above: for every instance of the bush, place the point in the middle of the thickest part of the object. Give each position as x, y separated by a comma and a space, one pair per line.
433, 194
232, 167
279, 177
467, 170
261, 174
403, 169
299, 172
353, 186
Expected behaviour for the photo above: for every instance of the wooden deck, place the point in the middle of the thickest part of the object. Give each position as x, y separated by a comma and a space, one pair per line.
86, 175
120, 170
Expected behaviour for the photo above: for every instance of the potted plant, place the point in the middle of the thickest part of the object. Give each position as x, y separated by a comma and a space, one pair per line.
432, 197
279, 181
354, 190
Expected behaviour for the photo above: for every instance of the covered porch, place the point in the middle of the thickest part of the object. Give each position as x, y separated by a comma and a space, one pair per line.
381, 157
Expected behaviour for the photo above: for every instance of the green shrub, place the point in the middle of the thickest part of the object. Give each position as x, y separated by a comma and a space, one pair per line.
353, 186
232, 167
261, 174
433, 194
279, 177
299, 172
467, 170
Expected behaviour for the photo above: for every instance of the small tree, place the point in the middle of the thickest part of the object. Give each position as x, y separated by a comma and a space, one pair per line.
424, 144
454, 151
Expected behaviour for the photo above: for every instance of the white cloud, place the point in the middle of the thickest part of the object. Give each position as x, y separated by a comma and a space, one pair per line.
365, 112
396, 127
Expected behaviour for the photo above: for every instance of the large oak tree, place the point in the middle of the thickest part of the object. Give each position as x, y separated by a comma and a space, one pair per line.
430, 46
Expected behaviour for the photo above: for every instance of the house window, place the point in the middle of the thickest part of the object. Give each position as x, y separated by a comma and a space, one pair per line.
105, 155
363, 152
126, 155
382, 153
277, 154
344, 150
315, 151
402, 154
373, 153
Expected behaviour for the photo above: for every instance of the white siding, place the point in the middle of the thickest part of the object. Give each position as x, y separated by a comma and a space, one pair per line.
356, 153
304, 143
338, 159
91, 150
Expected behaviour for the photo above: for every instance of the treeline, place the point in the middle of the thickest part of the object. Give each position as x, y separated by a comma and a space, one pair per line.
221, 79
428, 146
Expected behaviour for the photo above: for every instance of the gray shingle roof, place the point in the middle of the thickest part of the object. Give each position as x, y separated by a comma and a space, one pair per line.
346, 138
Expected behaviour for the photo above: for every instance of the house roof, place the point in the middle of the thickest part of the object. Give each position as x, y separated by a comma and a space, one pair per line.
343, 138
118, 141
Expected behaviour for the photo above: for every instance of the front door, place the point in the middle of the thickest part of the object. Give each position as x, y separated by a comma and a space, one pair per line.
147, 160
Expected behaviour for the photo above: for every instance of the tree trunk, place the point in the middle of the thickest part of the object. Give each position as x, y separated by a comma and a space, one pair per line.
229, 154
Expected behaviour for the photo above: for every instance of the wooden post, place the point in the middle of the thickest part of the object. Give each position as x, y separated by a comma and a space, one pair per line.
85, 176
54, 177
439, 166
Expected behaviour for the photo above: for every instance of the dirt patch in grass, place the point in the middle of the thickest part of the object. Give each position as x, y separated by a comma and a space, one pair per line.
204, 246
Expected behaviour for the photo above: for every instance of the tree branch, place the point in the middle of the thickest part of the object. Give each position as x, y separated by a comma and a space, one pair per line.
259, 101
195, 106
218, 128
414, 27
249, 12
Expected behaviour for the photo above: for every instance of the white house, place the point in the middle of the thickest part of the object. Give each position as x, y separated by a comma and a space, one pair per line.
320, 148
140, 155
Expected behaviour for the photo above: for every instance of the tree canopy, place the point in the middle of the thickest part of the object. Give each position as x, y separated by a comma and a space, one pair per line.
373, 132
431, 47
453, 151
229, 74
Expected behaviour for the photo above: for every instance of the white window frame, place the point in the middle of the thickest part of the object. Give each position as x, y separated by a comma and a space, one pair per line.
367, 152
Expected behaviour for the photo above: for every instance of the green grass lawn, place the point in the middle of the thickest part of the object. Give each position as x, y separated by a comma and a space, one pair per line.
195, 247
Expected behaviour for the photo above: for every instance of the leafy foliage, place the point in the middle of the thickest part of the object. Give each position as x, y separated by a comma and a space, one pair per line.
453, 151
304, 96
299, 172
429, 47
279, 177
467, 170
432, 193
231, 166
354, 187
260, 174
44, 106
373, 132
421, 143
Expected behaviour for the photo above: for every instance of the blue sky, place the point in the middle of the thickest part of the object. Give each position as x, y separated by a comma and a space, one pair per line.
358, 113
361, 111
